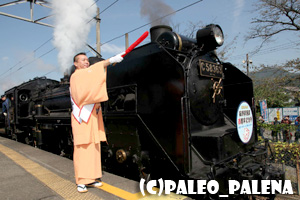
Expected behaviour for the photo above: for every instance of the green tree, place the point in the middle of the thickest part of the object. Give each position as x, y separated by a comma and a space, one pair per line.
273, 18
271, 83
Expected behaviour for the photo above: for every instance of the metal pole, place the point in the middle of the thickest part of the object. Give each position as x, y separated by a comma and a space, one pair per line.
98, 31
247, 61
126, 41
31, 11
298, 175
24, 19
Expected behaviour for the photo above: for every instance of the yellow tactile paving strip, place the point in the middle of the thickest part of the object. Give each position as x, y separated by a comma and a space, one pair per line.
121, 193
63, 187
130, 196
67, 189
170, 196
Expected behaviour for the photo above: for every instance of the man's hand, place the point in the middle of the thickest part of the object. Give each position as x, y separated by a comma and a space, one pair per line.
116, 59
5, 114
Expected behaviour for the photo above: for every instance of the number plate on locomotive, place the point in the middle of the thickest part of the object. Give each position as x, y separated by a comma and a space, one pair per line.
210, 69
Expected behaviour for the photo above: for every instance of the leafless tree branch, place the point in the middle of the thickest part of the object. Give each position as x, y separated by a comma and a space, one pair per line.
275, 16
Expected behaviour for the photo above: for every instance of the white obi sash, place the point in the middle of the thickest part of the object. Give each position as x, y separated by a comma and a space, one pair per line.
83, 113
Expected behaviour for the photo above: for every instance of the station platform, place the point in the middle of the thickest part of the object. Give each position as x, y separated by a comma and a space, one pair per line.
28, 173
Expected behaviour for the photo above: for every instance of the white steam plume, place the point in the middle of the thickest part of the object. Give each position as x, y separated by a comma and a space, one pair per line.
71, 30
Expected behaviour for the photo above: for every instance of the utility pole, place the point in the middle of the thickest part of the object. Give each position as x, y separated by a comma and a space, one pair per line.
98, 31
126, 41
247, 61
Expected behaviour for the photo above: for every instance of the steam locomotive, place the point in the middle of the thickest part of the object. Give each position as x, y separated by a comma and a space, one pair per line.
175, 111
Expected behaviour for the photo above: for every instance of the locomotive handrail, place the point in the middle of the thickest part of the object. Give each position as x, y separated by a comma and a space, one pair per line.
56, 94
257, 154
165, 49
47, 109
153, 137
116, 87
59, 110
227, 118
200, 156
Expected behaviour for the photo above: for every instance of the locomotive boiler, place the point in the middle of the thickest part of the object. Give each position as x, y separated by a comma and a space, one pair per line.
175, 111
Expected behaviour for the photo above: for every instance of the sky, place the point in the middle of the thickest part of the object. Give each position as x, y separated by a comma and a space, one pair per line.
29, 50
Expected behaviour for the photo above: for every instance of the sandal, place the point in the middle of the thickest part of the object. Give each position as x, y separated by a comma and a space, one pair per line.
94, 184
81, 188
99, 180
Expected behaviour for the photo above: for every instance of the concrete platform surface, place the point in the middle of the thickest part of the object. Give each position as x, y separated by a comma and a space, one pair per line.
30, 173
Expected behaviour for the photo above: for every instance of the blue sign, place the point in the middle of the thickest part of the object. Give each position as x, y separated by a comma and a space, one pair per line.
264, 109
292, 112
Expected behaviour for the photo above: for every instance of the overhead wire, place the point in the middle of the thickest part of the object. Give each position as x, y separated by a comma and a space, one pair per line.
25, 58
94, 3
111, 39
153, 21
34, 51
268, 50
265, 51
103, 10
108, 6
29, 63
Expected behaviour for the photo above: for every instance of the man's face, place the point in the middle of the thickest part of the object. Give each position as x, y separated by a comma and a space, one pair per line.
81, 62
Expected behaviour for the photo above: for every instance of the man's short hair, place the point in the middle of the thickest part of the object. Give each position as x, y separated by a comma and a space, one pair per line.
81, 53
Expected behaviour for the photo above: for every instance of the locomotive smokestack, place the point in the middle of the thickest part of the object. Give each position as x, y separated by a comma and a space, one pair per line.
156, 31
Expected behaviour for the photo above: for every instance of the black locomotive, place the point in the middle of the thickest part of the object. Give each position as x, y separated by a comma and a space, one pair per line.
175, 111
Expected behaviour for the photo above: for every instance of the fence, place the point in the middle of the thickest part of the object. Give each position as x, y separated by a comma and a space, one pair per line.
284, 150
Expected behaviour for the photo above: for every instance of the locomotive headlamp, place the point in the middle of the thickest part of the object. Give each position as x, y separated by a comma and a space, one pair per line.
218, 35
210, 37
